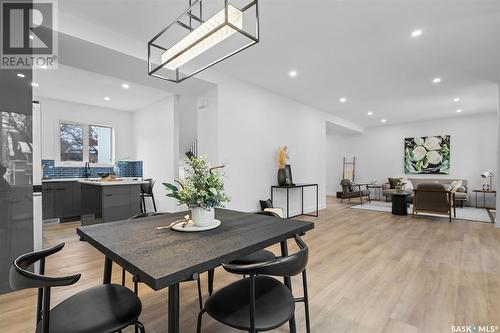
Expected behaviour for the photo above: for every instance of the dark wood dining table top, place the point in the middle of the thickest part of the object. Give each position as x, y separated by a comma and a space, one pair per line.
164, 257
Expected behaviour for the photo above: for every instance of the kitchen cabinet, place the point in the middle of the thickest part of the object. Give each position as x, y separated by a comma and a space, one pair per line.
61, 200
109, 201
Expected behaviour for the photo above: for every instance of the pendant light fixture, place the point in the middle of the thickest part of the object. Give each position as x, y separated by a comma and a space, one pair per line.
195, 51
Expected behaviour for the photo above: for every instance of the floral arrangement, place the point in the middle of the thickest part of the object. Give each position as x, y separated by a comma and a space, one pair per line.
430, 155
282, 156
202, 186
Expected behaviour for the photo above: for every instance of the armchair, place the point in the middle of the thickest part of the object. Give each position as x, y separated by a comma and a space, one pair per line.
434, 198
353, 191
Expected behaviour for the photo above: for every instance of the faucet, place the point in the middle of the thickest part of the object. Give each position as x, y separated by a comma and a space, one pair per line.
86, 172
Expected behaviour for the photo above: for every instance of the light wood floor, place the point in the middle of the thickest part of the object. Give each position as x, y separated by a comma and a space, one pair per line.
368, 272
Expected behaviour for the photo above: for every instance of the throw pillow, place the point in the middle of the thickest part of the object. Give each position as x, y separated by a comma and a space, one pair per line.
393, 182
454, 185
461, 189
408, 186
277, 211
265, 204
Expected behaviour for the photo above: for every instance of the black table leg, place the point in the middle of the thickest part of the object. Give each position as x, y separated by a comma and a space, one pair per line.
173, 308
302, 196
288, 283
317, 201
287, 204
108, 265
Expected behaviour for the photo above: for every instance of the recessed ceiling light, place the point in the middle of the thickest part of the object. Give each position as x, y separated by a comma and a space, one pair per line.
456, 99
292, 73
31, 37
342, 100
383, 120
369, 113
20, 74
125, 86
34, 84
107, 98
416, 33
436, 80
459, 110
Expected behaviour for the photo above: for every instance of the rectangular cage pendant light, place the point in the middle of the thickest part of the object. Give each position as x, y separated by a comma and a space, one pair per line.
201, 37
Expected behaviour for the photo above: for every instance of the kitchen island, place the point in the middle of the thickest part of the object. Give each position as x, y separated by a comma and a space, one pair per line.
106, 201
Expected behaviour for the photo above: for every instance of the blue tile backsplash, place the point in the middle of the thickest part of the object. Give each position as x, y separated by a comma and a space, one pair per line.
129, 168
126, 169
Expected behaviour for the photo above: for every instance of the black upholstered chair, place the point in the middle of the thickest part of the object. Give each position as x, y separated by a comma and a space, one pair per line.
101, 309
350, 191
136, 280
260, 302
147, 192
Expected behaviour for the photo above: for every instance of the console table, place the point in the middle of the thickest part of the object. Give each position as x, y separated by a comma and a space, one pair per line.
301, 186
484, 192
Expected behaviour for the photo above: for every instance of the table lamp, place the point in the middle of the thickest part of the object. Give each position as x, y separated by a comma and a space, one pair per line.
490, 175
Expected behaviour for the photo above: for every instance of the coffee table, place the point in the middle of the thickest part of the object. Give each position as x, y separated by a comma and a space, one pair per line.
400, 203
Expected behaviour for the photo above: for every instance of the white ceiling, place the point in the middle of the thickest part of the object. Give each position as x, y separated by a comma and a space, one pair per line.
76, 85
358, 49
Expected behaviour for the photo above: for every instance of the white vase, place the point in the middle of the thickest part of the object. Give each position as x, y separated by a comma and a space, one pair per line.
202, 217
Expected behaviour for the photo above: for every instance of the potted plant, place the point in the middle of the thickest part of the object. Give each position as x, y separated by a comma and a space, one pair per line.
201, 190
282, 157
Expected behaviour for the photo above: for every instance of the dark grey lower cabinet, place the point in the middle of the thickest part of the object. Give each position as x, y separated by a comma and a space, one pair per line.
61, 200
109, 202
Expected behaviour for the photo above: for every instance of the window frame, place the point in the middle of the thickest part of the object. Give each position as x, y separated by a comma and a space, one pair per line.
86, 139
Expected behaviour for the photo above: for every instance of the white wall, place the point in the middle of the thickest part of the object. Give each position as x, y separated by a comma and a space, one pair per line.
207, 126
497, 223
188, 121
379, 151
251, 124
54, 111
333, 163
155, 143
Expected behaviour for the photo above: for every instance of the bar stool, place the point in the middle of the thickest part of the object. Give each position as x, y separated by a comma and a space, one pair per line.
147, 192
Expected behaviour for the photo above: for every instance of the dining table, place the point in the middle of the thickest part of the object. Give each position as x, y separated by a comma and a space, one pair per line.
164, 258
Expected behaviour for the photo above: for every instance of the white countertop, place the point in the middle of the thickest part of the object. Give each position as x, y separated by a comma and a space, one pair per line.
112, 183
53, 180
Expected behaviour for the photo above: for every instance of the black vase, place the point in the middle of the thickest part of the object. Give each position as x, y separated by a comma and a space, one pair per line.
281, 177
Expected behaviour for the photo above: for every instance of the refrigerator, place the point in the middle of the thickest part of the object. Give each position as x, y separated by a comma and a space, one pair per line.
17, 210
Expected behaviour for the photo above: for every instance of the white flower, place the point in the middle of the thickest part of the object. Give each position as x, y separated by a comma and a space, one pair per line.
434, 157
419, 153
432, 143
419, 141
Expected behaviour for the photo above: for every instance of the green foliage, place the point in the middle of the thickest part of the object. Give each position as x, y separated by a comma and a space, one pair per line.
202, 187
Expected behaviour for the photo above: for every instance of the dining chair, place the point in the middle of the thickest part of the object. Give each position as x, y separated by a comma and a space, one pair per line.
147, 192
260, 302
101, 309
255, 257
136, 279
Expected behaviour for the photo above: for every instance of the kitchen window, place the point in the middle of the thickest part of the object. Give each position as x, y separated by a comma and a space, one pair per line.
79, 143
100, 140
71, 142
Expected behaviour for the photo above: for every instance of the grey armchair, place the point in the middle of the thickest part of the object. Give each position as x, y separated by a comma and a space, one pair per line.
434, 198
353, 191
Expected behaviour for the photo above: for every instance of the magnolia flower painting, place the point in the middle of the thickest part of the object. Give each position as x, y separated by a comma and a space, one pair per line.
427, 155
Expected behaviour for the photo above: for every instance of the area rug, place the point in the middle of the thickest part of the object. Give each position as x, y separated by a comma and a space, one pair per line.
466, 213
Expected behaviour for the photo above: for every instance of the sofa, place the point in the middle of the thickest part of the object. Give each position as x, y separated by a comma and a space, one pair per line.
461, 194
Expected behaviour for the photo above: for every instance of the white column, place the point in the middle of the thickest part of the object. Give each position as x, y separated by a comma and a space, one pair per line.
497, 223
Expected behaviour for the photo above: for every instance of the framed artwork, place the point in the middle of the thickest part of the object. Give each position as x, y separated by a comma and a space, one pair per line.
427, 155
